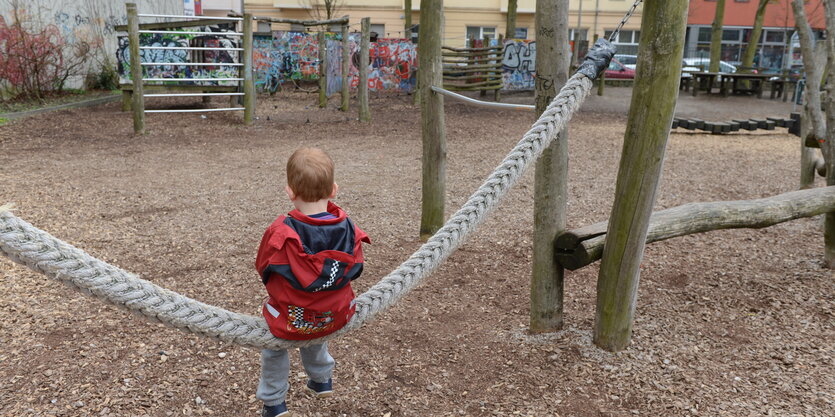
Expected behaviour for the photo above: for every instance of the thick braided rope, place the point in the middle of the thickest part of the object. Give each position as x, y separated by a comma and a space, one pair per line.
28, 245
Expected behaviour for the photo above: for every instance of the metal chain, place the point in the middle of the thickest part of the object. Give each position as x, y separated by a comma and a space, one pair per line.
625, 19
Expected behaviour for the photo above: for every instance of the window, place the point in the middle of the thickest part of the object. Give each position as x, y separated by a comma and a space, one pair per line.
521, 33
627, 41
479, 32
574, 34
379, 29
769, 56
704, 34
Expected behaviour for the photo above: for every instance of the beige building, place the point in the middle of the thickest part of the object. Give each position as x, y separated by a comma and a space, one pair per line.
463, 18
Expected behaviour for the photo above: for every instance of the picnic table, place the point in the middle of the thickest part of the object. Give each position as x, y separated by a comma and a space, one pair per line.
729, 82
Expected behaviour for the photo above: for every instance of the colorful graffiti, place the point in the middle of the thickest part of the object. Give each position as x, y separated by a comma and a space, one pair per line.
295, 56
182, 56
519, 64
392, 68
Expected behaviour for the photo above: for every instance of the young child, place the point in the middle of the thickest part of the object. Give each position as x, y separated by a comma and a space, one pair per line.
307, 260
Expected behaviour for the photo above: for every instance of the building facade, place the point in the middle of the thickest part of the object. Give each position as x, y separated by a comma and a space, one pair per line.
776, 48
463, 18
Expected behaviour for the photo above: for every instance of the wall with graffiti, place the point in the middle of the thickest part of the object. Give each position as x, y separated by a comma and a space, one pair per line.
519, 64
172, 57
82, 25
289, 56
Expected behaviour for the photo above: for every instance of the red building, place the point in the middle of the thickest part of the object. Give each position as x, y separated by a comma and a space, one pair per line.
775, 46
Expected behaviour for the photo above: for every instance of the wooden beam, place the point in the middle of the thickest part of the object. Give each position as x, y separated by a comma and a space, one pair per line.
323, 70
138, 105
249, 77
433, 132
654, 95
346, 68
340, 21
580, 247
551, 172
176, 24
362, 89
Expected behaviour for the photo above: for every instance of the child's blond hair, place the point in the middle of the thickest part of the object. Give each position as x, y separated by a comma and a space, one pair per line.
310, 174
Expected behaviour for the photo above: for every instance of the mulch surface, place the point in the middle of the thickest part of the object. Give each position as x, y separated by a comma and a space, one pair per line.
728, 323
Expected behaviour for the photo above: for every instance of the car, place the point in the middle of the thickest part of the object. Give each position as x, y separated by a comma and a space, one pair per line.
617, 70
703, 63
628, 61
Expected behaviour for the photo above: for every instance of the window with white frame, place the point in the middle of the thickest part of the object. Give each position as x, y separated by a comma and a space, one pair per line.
479, 32
626, 42
521, 33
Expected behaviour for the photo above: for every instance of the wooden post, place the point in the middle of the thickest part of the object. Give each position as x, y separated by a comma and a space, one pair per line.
407, 18
485, 42
650, 116
249, 79
323, 70
362, 91
346, 68
601, 80
433, 132
551, 173
828, 146
716, 36
497, 92
138, 105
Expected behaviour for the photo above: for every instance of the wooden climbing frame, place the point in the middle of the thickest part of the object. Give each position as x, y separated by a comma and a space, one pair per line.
473, 68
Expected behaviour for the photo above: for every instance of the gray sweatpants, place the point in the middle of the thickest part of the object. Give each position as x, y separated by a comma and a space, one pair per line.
275, 369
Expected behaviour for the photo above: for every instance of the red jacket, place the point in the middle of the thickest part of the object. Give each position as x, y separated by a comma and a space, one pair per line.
307, 265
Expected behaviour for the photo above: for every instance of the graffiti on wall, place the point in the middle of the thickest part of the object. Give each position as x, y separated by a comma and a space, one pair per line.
519, 64
172, 57
392, 67
295, 56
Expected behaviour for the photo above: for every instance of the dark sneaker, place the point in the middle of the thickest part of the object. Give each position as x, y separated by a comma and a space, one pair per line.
275, 410
320, 389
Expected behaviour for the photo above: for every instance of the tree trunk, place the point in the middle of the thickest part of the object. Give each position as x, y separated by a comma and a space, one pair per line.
432, 118
551, 173
510, 30
249, 78
407, 17
650, 116
716, 36
754, 43
346, 68
828, 147
814, 122
323, 70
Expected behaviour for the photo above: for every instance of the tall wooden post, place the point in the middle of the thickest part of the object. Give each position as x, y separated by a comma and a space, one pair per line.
485, 42
551, 173
650, 116
407, 19
249, 78
346, 68
828, 146
433, 131
362, 90
138, 97
497, 93
323, 70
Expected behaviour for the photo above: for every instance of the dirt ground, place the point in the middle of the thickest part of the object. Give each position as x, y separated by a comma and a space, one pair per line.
729, 323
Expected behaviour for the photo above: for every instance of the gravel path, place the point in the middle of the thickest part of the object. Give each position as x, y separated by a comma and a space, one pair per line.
729, 323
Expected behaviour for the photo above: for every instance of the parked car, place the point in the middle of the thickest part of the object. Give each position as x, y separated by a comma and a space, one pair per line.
617, 70
628, 61
704, 63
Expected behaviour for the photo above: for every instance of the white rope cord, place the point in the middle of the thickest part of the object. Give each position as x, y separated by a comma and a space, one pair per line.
28, 245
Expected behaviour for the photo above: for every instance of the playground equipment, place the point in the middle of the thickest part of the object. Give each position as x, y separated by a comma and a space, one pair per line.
25, 244
206, 85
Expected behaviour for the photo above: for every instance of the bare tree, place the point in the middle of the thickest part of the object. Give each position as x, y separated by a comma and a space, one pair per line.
754, 42
716, 36
322, 9
828, 146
